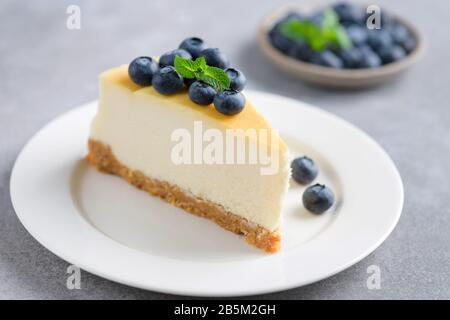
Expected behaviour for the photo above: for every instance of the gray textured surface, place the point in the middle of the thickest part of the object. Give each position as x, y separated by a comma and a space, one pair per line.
46, 70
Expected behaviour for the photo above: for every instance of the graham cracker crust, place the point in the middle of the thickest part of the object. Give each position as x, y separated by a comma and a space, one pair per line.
103, 159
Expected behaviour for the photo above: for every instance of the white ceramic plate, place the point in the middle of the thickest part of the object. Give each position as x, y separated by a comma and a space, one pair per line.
109, 228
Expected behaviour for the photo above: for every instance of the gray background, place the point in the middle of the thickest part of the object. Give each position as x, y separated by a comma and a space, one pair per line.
46, 70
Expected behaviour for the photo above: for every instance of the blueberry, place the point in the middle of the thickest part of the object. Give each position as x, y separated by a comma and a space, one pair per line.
167, 81
237, 79
168, 58
304, 170
351, 58
409, 45
229, 102
201, 93
369, 58
280, 41
301, 51
142, 69
391, 54
399, 33
316, 18
327, 59
350, 13
194, 46
215, 58
358, 35
292, 15
188, 82
379, 38
318, 198
401, 36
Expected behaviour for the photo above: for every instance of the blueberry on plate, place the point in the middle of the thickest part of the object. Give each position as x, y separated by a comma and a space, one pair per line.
379, 38
352, 58
318, 198
194, 46
141, 70
229, 102
167, 81
391, 54
349, 13
201, 93
304, 170
357, 34
301, 51
369, 58
168, 58
237, 79
215, 58
279, 40
327, 59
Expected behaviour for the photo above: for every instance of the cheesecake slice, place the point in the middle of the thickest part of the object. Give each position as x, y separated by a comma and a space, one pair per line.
137, 133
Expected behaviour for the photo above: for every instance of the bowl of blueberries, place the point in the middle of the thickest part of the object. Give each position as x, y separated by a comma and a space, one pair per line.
344, 45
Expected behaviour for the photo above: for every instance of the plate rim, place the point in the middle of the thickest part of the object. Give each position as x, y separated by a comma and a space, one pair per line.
216, 293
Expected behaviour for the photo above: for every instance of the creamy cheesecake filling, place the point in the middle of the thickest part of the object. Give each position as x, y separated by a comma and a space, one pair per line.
138, 123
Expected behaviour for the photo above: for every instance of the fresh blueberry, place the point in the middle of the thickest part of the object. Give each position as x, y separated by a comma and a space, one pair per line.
401, 36
391, 54
379, 38
292, 15
188, 82
142, 69
304, 170
358, 35
168, 58
201, 93
386, 20
215, 58
399, 33
167, 81
327, 59
351, 58
280, 41
194, 46
229, 102
318, 198
316, 18
237, 79
409, 45
350, 13
369, 58
301, 51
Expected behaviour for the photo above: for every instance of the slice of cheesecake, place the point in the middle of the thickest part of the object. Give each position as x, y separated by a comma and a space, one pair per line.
137, 135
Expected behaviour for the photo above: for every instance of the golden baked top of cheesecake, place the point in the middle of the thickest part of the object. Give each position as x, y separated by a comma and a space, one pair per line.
249, 118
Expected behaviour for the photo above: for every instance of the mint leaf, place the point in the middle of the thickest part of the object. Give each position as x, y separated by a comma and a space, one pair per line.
200, 62
216, 78
318, 37
330, 18
198, 69
342, 39
185, 67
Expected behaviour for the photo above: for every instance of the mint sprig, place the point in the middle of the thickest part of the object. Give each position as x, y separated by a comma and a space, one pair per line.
198, 69
330, 32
